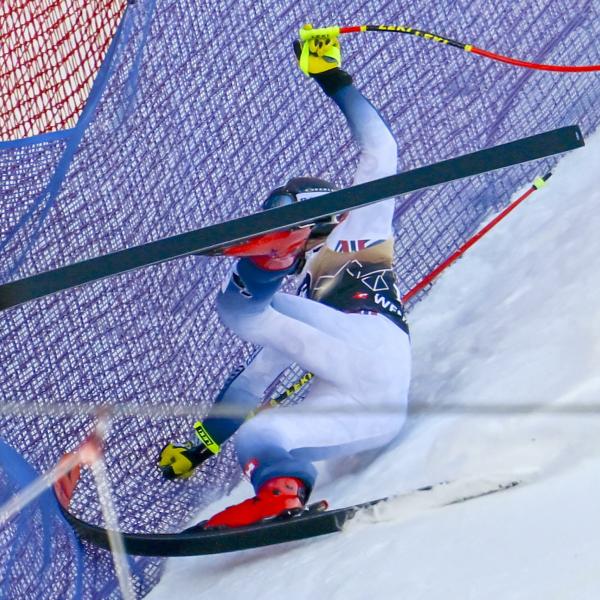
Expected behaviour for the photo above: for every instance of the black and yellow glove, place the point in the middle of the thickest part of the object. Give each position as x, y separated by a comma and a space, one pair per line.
318, 54
320, 58
178, 461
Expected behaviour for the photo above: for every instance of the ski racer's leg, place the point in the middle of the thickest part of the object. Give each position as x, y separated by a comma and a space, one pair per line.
240, 395
333, 420
363, 362
315, 314
244, 393
245, 307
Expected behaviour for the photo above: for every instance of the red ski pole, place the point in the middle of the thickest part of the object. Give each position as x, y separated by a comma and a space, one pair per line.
307, 32
537, 184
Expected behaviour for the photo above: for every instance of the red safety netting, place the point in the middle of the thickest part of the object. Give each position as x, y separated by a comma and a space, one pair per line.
50, 52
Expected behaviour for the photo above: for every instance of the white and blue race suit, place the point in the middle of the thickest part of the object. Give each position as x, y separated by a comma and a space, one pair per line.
349, 331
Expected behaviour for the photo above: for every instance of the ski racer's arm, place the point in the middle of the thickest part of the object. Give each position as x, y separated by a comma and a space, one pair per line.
239, 397
378, 148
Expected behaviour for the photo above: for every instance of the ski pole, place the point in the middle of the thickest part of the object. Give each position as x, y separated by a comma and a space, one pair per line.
307, 32
537, 184
292, 389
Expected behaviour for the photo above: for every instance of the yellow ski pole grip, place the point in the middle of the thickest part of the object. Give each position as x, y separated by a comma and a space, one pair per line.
307, 32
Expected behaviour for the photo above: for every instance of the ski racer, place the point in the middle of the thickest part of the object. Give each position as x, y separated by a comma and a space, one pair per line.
348, 328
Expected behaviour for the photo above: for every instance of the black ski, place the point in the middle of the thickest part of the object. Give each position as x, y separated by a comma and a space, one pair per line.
214, 238
315, 521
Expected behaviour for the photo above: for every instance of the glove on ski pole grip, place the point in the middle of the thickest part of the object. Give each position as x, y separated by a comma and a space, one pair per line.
206, 438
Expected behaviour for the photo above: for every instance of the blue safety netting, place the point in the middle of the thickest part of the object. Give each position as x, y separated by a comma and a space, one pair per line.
196, 112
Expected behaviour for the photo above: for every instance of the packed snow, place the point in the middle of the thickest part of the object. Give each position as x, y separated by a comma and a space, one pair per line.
506, 385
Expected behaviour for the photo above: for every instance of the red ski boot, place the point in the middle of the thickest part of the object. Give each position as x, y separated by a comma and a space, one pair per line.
273, 498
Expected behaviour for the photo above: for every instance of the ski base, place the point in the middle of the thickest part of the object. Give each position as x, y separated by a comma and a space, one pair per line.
214, 239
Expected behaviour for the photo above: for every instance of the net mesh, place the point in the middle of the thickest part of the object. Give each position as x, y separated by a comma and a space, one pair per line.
198, 114
50, 52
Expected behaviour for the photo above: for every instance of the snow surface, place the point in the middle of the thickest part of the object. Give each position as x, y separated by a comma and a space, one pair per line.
506, 384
